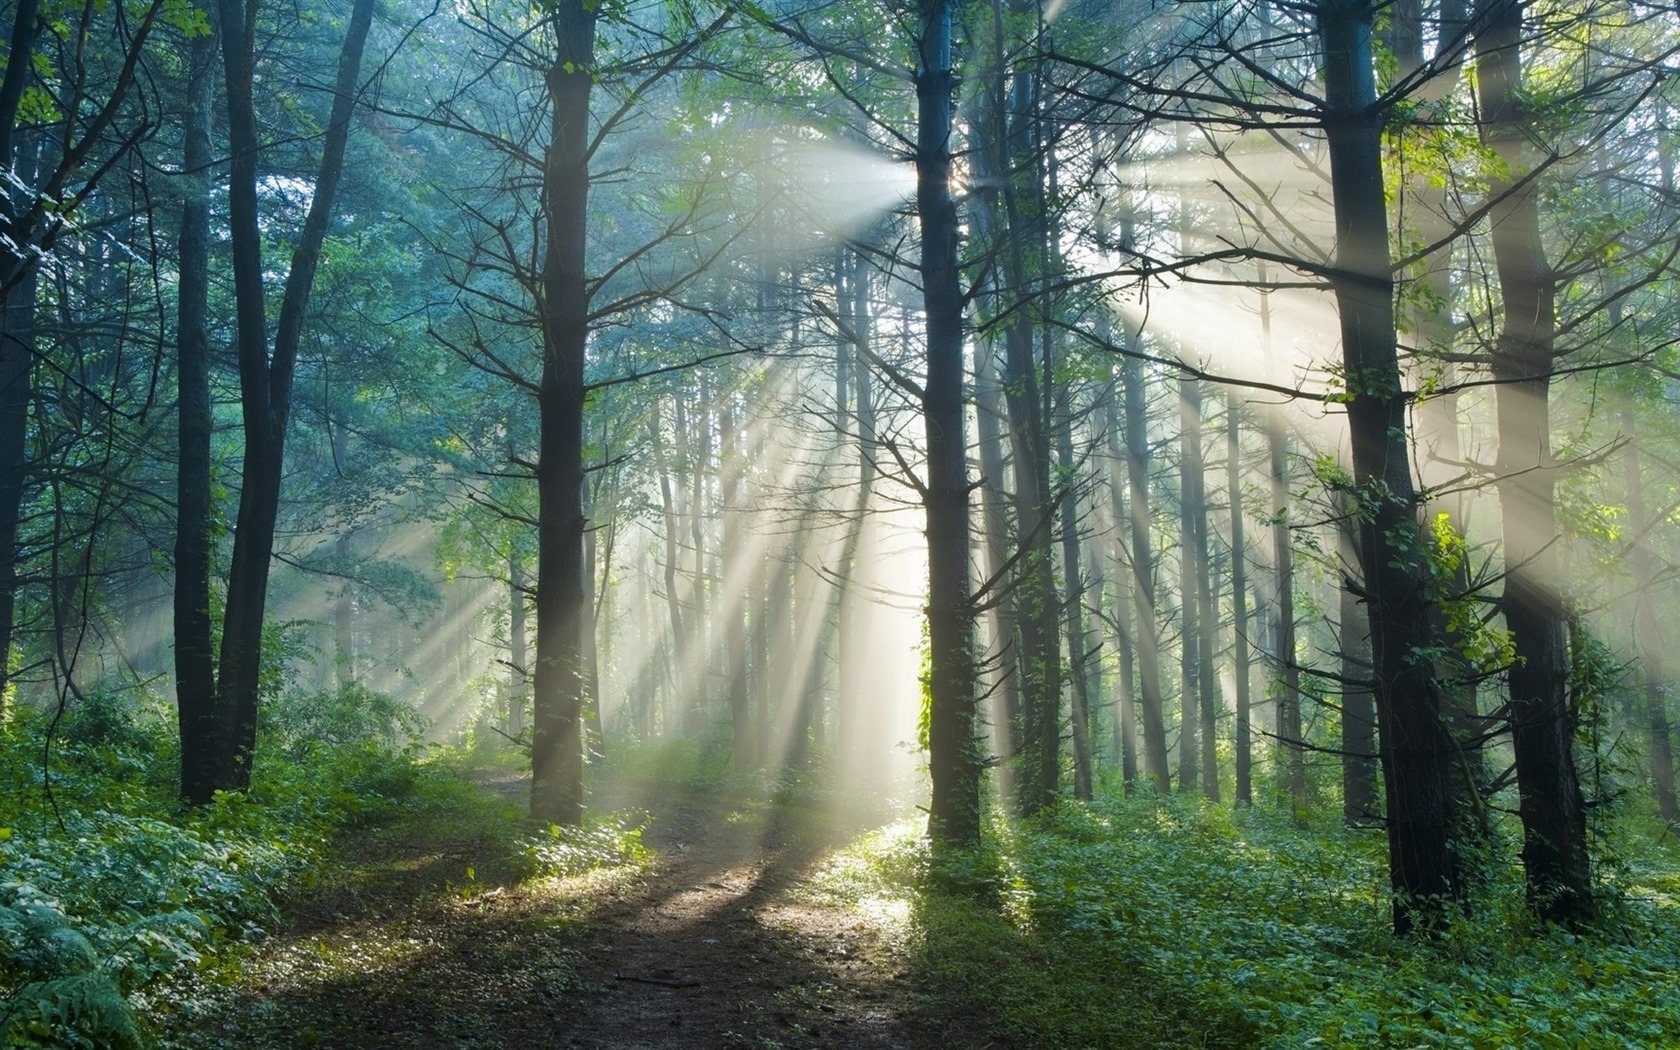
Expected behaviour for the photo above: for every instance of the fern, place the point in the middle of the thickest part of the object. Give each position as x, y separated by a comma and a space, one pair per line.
83, 1011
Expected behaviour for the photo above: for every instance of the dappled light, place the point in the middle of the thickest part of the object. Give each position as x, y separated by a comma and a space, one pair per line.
839, 526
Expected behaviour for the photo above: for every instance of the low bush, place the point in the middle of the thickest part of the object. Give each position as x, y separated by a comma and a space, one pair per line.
109, 886
1155, 922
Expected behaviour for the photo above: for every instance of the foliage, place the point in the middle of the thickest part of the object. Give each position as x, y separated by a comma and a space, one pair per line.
301, 722
597, 843
1246, 930
109, 888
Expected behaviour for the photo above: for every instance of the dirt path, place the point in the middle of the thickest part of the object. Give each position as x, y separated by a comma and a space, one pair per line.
430, 943
717, 949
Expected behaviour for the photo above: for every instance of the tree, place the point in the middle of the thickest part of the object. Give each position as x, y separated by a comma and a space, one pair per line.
954, 813
218, 752
1424, 867
59, 139
1542, 730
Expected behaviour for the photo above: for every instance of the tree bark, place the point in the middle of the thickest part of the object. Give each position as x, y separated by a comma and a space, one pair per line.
994, 516
563, 313
1241, 652
1001, 155
1359, 716
1125, 728
1417, 750
1081, 650
519, 665
195, 668
735, 611
265, 384
1146, 642
1290, 751
1647, 632
1189, 569
953, 763
1553, 812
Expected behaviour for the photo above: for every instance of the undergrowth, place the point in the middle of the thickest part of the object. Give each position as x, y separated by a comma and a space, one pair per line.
1164, 922
112, 890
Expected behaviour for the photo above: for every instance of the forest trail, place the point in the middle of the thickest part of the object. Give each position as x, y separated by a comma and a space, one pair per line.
430, 942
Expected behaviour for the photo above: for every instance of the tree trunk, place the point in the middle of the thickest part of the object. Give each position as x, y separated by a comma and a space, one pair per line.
563, 308
1240, 653
953, 763
519, 665
1199, 748
594, 725
1290, 753
1080, 647
673, 543
1005, 138
1424, 868
1647, 632
857, 711
1125, 728
1146, 641
265, 385
195, 667
1359, 716
1554, 816
1189, 568
344, 603
1005, 630
1437, 418
735, 611
17, 315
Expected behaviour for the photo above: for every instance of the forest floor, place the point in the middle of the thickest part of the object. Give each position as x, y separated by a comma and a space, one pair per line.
421, 934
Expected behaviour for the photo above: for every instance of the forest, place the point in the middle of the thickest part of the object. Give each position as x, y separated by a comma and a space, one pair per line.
868, 524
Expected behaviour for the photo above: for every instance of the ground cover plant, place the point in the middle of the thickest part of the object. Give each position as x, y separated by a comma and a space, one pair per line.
117, 900
110, 888
1152, 921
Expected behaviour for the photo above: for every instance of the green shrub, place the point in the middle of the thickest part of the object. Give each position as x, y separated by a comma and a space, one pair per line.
109, 886
1154, 922
597, 843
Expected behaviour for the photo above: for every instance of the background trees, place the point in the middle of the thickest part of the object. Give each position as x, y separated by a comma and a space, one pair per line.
691, 332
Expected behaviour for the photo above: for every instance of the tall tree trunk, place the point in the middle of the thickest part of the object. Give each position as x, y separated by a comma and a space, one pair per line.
1208, 699
33, 214
519, 661
1290, 751
17, 313
1005, 143
735, 609
1240, 654
671, 519
1359, 716
857, 711
1146, 643
1005, 631
1646, 630
344, 603
953, 762
1081, 650
563, 312
1190, 568
1125, 728
1417, 750
1437, 418
195, 666
764, 654
1554, 816
594, 725
265, 384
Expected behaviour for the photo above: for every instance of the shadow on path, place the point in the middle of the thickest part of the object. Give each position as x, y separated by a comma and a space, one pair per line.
426, 938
